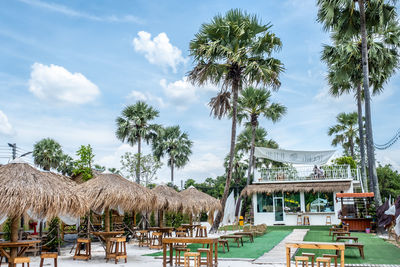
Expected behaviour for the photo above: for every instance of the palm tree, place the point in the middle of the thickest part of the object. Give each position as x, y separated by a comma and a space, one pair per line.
345, 132
47, 154
342, 16
253, 103
66, 165
134, 126
345, 70
176, 145
233, 51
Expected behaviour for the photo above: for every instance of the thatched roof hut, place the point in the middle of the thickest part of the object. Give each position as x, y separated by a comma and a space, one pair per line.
23, 188
198, 201
170, 199
322, 186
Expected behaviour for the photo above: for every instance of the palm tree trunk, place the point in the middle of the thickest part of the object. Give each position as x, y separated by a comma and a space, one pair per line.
352, 147
362, 144
172, 171
138, 164
220, 214
370, 139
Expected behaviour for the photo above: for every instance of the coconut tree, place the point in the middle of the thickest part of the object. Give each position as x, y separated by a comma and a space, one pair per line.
233, 51
344, 17
254, 103
176, 145
134, 126
47, 154
345, 132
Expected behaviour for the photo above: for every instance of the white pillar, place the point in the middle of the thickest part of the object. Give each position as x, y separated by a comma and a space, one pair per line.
302, 202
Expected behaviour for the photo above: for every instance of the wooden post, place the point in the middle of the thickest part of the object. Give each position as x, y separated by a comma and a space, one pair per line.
134, 218
191, 218
15, 222
161, 218
107, 219
62, 231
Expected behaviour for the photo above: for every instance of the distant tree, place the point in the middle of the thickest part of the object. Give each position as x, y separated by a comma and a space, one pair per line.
47, 154
83, 166
134, 126
66, 165
189, 183
389, 181
149, 166
345, 132
114, 170
345, 160
99, 168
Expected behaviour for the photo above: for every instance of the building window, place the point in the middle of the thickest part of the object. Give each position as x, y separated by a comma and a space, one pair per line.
292, 201
265, 202
319, 202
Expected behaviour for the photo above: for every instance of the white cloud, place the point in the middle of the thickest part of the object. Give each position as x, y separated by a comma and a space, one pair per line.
159, 50
55, 83
75, 13
140, 96
5, 126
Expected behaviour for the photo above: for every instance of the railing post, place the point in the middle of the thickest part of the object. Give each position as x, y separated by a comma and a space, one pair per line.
348, 171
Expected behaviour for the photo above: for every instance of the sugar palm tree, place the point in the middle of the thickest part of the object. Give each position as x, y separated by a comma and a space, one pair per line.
254, 103
66, 165
176, 145
233, 51
134, 126
343, 16
47, 154
345, 132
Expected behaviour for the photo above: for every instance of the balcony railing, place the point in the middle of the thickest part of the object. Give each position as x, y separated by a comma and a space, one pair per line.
306, 173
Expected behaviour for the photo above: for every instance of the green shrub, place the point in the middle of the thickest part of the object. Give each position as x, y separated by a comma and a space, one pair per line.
53, 238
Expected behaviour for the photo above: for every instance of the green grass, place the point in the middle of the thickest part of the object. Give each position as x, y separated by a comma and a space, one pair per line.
376, 250
250, 250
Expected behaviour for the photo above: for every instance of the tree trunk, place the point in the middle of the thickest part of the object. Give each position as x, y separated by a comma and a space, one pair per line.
172, 171
370, 139
362, 144
161, 218
220, 214
15, 222
352, 147
139, 156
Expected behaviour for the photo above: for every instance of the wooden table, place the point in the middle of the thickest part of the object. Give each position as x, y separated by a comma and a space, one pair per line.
189, 228
238, 238
212, 242
316, 245
164, 230
22, 245
341, 233
105, 236
339, 237
249, 234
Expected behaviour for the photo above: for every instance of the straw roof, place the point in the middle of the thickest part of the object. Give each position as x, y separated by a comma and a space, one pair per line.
170, 199
107, 190
327, 186
23, 188
198, 201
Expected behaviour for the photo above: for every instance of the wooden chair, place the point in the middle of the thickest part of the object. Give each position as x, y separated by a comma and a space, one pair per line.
117, 249
223, 243
143, 238
331, 256
306, 220
196, 257
156, 240
48, 255
326, 262
22, 260
80, 244
328, 220
299, 220
302, 259
201, 231
309, 255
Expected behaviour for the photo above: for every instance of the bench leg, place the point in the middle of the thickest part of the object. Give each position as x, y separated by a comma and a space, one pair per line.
361, 252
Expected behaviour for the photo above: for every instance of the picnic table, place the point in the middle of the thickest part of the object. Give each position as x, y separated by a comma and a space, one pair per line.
249, 234
169, 241
339, 247
237, 238
341, 233
20, 245
340, 237
105, 236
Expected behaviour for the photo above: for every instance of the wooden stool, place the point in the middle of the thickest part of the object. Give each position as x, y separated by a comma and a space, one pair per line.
196, 257
326, 261
119, 246
328, 220
80, 242
303, 259
306, 220
48, 255
208, 254
223, 243
156, 240
22, 260
312, 255
143, 238
299, 220
178, 251
331, 256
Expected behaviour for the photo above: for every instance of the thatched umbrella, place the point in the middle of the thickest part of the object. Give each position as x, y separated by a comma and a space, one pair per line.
107, 191
198, 201
23, 188
169, 198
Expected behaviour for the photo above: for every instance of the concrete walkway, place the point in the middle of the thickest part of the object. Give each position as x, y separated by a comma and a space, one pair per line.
277, 255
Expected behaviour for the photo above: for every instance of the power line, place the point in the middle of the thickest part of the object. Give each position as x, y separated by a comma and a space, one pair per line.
390, 143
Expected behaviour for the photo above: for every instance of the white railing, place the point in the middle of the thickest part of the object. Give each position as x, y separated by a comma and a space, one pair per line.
305, 173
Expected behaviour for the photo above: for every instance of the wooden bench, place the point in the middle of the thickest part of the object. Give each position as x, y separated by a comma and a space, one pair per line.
341, 237
237, 238
356, 245
341, 233
248, 234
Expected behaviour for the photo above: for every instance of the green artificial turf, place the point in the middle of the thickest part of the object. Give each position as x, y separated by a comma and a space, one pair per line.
376, 250
250, 250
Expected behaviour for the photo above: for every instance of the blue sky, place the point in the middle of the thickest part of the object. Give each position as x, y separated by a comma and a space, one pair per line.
67, 69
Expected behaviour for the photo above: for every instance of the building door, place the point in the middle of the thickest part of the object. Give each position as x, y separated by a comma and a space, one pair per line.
278, 207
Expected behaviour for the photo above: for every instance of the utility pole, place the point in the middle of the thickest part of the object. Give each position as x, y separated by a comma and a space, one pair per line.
14, 150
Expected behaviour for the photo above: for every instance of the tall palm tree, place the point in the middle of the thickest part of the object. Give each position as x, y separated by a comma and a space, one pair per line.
345, 70
233, 51
134, 126
345, 132
66, 165
176, 145
47, 154
252, 104
342, 16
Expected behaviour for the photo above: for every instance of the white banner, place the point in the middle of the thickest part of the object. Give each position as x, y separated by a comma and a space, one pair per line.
293, 156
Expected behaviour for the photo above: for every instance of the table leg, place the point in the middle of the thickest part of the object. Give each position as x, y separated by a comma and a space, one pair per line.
210, 260
342, 258
216, 253
241, 239
171, 252
164, 245
288, 257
